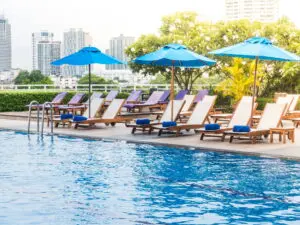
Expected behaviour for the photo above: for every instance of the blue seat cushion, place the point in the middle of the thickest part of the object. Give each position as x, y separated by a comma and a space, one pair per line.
169, 124
238, 128
212, 126
66, 116
144, 121
79, 118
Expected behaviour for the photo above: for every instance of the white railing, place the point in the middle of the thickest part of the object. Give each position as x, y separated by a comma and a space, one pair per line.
94, 87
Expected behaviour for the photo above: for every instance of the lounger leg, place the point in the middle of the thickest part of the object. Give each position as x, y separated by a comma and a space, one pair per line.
177, 133
280, 137
133, 130
160, 132
76, 126
284, 138
150, 130
223, 137
231, 139
202, 136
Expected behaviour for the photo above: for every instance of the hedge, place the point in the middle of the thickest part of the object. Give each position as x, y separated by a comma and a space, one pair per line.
17, 100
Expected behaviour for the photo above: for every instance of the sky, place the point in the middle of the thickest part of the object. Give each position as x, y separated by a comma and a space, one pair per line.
103, 19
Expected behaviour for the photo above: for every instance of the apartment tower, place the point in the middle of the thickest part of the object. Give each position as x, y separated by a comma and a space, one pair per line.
74, 40
254, 10
5, 44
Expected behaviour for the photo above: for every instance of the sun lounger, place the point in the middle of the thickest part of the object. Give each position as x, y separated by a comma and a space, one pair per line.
57, 100
74, 109
110, 97
200, 95
196, 120
186, 108
166, 116
227, 116
288, 100
271, 118
93, 96
133, 98
96, 104
180, 96
74, 101
152, 100
110, 116
241, 116
293, 113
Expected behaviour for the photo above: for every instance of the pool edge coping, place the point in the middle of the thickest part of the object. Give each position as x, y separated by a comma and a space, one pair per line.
186, 147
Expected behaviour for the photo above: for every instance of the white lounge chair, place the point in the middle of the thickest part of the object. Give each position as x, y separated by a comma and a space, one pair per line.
271, 118
110, 116
196, 120
96, 105
241, 116
166, 116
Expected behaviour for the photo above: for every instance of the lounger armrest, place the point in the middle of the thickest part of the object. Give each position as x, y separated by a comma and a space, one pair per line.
133, 102
75, 104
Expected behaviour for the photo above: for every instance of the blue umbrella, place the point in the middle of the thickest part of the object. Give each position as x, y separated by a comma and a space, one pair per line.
174, 55
257, 48
87, 56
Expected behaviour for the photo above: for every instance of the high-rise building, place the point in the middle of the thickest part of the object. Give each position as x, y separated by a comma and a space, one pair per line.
117, 46
74, 40
5, 44
47, 52
254, 10
43, 36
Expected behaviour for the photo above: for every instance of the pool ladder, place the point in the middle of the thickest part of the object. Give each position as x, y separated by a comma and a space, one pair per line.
37, 105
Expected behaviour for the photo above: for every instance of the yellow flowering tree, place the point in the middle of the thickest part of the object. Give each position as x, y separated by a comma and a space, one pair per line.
239, 79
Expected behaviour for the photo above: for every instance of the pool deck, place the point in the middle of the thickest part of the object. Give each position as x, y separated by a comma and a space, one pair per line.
189, 140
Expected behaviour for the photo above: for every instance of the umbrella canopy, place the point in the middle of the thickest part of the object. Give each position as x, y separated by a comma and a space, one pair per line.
258, 48
87, 56
174, 55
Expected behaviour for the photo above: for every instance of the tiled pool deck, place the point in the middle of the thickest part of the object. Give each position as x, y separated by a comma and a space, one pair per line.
189, 140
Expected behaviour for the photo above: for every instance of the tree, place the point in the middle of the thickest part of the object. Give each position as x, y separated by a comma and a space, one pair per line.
180, 28
34, 77
94, 80
202, 37
160, 79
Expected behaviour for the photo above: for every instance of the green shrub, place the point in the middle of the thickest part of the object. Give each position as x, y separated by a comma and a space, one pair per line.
13, 101
121, 95
262, 102
17, 100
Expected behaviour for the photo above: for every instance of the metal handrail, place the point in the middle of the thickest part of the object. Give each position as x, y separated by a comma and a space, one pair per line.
34, 103
51, 116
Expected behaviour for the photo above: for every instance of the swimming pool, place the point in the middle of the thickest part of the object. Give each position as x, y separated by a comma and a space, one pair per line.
63, 180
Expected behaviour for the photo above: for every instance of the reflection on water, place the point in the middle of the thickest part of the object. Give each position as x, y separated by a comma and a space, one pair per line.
60, 180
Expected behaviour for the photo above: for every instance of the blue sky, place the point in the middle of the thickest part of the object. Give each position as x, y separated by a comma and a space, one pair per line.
103, 19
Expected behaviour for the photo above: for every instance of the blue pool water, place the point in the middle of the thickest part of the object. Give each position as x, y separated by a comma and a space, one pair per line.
60, 180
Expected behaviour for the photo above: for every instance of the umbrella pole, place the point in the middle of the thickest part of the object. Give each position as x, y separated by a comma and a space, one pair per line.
172, 94
90, 90
254, 90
